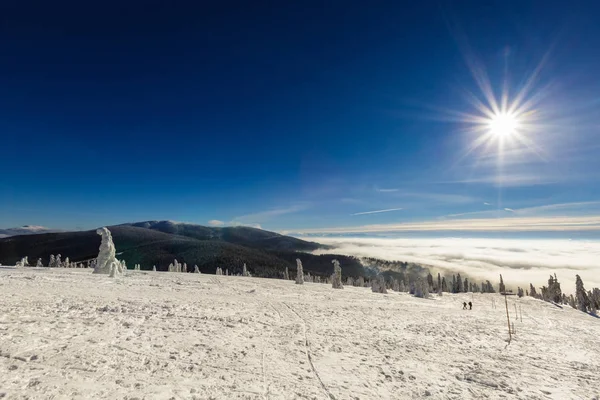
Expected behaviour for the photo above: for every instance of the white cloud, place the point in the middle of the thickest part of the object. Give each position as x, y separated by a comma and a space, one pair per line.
486, 204
262, 216
508, 224
377, 211
509, 209
216, 222
520, 261
388, 190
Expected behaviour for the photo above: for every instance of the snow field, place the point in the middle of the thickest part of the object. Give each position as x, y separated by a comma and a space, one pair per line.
69, 334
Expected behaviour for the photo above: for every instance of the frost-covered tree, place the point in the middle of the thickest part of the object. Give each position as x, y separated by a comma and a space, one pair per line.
336, 278
219, 271
532, 291
402, 286
106, 262
454, 285
299, 272
184, 267
196, 269
430, 281
154, 268
466, 285
349, 281
501, 287
171, 267
244, 270
286, 274
395, 285
520, 292
39, 263
439, 282
52, 262
459, 284
554, 292
444, 285
439, 290
360, 282
422, 288
378, 285
583, 301
595, 298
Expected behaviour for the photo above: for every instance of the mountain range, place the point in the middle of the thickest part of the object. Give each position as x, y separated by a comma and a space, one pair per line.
158, 243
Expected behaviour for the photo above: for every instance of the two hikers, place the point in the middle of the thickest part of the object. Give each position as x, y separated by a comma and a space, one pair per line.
465, 306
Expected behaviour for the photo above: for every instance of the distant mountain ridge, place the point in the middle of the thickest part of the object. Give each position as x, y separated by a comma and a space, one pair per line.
241, 235
148, 243
26, 230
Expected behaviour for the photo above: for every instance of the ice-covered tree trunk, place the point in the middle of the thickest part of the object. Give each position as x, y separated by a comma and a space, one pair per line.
299, 272
336, 278
286, 274
196, 270
106, 262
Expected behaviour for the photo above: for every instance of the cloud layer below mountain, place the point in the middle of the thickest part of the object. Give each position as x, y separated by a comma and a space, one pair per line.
520, 261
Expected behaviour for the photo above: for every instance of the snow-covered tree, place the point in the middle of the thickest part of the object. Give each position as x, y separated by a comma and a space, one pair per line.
430, 281
378, 285
395, 285
439, 283
466, 285
106, 262
184, 267
52, 262
459, 284
422, 288
501, 287
360, 282
299, 272
583, 301
520, 292
554, 292
196, 269
402, 286
532, 291
67, 264
244, 270
154, 268
39, 263
336, 278
444, 285
454, 285
286, 274
219, 271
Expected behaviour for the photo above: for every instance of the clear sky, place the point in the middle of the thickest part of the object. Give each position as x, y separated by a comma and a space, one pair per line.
312, 117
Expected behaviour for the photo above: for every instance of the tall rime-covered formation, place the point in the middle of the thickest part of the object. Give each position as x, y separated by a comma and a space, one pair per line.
106, 262
583, 301
501, 287
336, 278
299, 272
378, 285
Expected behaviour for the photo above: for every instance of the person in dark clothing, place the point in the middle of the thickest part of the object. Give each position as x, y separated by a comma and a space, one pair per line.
470, 306
464, 306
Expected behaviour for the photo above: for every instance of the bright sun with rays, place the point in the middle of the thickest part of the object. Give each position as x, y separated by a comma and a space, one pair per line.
503, 125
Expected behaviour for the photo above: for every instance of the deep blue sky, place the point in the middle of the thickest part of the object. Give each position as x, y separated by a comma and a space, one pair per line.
294, 117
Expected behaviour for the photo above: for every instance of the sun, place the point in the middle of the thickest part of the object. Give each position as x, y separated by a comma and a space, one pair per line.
503, 125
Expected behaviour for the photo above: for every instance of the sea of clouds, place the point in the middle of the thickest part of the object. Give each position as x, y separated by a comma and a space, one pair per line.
520, 261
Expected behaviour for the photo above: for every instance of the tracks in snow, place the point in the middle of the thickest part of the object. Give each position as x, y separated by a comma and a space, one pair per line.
308, 354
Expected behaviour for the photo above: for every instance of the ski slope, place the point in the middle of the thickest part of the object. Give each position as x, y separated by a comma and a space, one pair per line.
68, 334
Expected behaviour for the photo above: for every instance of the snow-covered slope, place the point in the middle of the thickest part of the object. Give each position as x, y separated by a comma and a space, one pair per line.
157, 335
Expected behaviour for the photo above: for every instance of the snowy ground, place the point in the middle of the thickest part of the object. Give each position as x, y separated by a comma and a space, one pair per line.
68, 334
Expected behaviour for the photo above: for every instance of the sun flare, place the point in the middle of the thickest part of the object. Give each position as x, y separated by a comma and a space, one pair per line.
503, 125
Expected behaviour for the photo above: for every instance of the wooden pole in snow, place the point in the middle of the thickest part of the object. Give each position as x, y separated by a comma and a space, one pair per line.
508, 319
521, 312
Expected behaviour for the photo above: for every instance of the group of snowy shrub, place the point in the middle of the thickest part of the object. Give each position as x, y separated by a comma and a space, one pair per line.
53, 262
